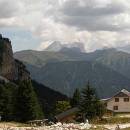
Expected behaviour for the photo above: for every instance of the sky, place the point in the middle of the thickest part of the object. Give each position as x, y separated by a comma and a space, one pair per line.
34, 24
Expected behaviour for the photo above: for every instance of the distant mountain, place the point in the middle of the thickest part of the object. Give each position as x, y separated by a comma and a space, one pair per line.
124, 48
65, 77
40, 58
57, 46
108, 69
116, 60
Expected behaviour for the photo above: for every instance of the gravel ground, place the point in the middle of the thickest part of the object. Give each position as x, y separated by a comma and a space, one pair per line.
59, 126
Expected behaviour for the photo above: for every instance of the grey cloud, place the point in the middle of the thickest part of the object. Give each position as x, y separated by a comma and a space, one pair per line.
7, 8
92, 17
73, 8
92, 23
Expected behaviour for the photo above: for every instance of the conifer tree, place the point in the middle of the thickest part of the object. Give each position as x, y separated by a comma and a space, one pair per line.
62, 106
7, 101
27, 105
76, 98
90, 104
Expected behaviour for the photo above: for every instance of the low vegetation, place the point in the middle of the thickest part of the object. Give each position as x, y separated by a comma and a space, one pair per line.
62, 106
112, 120
126, 129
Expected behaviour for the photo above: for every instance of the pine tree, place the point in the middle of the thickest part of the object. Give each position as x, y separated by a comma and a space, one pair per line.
62, 106
76, 98
7, 101
90, 104
27, 105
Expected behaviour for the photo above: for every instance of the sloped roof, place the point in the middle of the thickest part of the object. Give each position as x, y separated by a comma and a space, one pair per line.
125, 92
67, 113
122, 93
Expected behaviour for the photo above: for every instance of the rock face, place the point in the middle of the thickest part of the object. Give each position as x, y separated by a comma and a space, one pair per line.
9, 67
21, 73
7, 62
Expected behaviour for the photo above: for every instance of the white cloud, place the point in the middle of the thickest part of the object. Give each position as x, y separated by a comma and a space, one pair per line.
97, 23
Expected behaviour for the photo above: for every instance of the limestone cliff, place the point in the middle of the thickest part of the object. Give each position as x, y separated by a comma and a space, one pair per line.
21, 73
11, 68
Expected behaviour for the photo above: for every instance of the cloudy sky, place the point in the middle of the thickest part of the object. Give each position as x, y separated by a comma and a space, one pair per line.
34, 24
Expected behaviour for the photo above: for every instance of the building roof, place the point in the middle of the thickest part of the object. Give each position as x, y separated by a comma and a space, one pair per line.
67, 113
125, 92
122, 93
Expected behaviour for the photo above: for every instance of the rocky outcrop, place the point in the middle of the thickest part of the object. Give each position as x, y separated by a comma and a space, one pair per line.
21, 73
9, 67
7, 62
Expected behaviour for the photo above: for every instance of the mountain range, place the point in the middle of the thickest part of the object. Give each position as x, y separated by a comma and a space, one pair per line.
68, 68
125, 48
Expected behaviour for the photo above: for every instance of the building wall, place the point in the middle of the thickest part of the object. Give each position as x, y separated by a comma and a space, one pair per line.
122, 106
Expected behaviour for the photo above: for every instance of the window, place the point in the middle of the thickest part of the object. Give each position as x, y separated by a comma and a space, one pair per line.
126, 99
116, 99
115, 108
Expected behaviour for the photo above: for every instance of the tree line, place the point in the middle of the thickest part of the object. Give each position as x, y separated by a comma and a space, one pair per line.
87, 101
20, 103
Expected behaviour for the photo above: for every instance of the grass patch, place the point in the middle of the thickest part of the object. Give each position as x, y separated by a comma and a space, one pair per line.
122, 114
126, 129
113, 120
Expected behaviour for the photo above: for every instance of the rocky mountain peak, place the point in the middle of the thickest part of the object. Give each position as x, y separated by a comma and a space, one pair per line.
57, 46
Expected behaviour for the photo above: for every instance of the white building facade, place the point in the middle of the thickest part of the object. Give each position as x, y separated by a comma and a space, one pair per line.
119, 102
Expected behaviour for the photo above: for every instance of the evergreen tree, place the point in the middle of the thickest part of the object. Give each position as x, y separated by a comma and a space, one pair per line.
27, 105
101, 109
76, 98
90, 105
7, 101
62, 106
